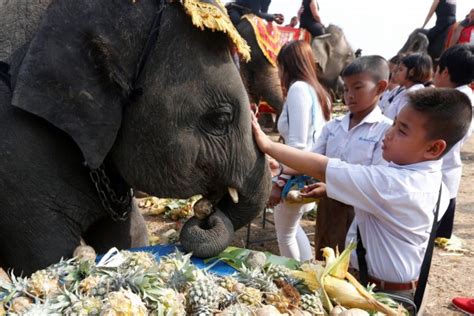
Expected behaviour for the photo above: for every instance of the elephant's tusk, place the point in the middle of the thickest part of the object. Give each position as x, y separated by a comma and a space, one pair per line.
202, 208
234, 195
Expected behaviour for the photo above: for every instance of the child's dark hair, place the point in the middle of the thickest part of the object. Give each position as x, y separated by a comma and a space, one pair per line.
448, 113
395, 59
376, 66
459, 59
419, 67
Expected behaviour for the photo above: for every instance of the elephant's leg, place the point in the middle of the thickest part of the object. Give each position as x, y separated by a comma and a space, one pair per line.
248, 79
267, 85
108, 233
32, 244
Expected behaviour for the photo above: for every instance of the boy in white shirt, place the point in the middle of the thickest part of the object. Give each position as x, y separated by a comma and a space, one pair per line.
455, 70
393, 88
355, 138
393, 204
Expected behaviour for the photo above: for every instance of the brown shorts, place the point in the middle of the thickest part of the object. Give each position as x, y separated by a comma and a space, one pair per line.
333, 220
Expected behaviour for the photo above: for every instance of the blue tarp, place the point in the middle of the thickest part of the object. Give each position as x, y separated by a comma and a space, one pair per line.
219, 268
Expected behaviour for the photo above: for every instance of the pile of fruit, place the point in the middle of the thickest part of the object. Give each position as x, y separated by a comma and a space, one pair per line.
135, 283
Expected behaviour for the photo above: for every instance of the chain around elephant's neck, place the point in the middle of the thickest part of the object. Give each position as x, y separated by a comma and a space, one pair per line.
118, 207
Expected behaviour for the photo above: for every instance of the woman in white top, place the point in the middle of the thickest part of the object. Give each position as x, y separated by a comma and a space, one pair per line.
306, 110
414, 72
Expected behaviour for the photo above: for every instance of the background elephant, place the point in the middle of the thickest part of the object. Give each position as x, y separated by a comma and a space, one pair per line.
333, 53
183, 128
259, 75
418, 42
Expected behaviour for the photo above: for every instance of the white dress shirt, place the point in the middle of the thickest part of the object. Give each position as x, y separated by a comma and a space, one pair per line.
296, 124
394, 210
362, 144
452, 164
400, 101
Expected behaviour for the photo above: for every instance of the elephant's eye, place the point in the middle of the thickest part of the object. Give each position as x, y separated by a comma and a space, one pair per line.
218, 120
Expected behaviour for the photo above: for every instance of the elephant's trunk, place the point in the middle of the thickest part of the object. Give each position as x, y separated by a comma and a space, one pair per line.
208, 237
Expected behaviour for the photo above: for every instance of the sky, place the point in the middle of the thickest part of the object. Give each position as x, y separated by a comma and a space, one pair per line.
375, 26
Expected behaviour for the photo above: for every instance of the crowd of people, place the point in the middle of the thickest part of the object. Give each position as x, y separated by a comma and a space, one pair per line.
382, 169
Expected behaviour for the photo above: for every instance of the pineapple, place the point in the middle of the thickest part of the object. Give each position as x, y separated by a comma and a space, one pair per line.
41, 308
277, 271
250, 296
279, 300
123, 303
177, 271
312, 304
20, 304
166, 301
257, 279
86, 285
203, 293
85, 306
43, 284
139, 260
227, 283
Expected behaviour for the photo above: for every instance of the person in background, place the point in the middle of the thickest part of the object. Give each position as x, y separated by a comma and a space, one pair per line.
355, 138
463, 26
393, 88
455, 70
445, 17
293, 22
306, 110
414, 71
310, 19
258, 7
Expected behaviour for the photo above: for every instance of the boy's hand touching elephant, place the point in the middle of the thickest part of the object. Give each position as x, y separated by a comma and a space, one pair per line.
315, 190
263, 141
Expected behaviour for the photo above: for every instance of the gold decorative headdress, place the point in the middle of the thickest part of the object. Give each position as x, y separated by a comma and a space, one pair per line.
211, 14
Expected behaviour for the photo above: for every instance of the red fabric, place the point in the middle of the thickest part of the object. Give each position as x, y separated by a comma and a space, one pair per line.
465, 36
290, 34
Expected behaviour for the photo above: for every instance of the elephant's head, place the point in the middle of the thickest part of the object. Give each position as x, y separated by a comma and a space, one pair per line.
260, 76
183, 128
333, 53
417, 42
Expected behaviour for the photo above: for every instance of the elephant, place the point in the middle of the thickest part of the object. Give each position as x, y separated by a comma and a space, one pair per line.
332, 53
19, 22
97, 106
260, 77
418, 42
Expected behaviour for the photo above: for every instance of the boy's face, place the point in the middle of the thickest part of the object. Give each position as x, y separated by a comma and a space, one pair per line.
402, 74
406, 142
361, 92
441, 78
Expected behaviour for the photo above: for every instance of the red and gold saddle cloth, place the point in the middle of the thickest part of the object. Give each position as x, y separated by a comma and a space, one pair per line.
292, 34
268, 37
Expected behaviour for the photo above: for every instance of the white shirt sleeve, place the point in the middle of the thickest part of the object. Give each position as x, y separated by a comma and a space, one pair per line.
299, 105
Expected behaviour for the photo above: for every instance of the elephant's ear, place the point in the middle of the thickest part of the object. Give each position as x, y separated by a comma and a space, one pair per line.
70, 76
323, 51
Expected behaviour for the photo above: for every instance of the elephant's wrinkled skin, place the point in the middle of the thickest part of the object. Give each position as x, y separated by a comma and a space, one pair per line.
187, 132
19, 20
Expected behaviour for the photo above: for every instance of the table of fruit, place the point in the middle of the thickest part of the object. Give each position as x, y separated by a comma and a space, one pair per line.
162, 280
